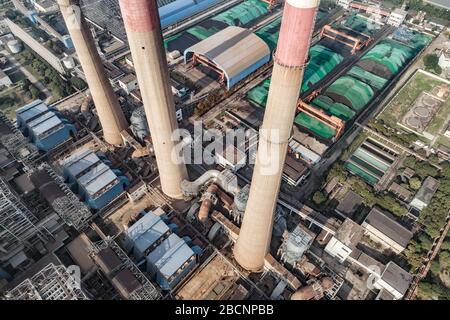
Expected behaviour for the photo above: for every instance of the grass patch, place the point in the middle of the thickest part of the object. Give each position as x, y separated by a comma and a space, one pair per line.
406, 97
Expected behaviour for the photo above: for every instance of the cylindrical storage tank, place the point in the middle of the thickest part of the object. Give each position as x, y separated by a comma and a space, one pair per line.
15, 46
139, 124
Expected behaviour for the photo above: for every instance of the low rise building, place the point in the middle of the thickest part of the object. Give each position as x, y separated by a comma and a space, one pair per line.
345, 240
5, 81
425, 194
128, 83
397, 17
382, 228
444, 59
394, 282
44, 126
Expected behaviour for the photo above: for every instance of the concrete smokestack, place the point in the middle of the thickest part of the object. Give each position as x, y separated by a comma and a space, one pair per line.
290, 59
142, 24
109, 112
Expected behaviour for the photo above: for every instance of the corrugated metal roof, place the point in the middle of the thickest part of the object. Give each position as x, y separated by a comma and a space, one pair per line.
80, 162
145, 232
45, 123
170, 255
389, 227
38, 117
97, 175
32, 110
233, 49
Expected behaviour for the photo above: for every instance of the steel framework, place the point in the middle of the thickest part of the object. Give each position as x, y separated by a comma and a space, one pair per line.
18, 145
148, 291
17, 223
73, 212
51, 283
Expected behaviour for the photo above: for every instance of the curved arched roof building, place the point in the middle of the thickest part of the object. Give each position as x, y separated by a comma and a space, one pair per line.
233, 52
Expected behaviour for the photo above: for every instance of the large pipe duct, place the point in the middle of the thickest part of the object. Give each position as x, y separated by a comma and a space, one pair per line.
109, 112
289, 63
142, 24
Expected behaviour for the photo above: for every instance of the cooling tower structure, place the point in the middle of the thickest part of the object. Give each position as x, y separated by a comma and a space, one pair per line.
289, 63
142, 24
109, 112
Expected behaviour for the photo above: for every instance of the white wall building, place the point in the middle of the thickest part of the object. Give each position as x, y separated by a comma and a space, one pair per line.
345, 240
5, 81
129, 83
397, 17
444, 59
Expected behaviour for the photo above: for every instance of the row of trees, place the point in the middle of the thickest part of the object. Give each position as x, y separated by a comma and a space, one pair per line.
49, 76
431, 10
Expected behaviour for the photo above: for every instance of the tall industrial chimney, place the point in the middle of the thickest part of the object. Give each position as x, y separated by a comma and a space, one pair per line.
290, 59
143, 29
109, 112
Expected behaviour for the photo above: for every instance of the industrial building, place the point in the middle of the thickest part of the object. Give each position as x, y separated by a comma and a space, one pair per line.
44, 126
93, 179
169, 258
171, 261
345, 240
122, 273
295, 244
106, 13
394, 280
371, 161
232, 53
384, 229
146, 234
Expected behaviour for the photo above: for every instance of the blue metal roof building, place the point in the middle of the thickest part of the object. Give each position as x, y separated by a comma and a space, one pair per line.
96, 182
175, 11
146, 234
171, 261
43, 125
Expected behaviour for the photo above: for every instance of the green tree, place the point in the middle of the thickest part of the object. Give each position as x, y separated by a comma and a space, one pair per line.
431, 62
319, 198
415, 183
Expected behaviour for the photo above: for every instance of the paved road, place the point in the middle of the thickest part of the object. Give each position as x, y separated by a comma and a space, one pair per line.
39, 85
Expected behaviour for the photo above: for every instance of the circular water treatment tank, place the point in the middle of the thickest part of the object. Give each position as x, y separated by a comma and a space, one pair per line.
429, 101
15, 46
422, 112
413, 122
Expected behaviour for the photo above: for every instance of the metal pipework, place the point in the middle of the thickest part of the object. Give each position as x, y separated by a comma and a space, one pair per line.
142, 24
109, 112
290, 58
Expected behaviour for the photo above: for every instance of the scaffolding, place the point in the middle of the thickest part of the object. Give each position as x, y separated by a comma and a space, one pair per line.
18, 226
17, 144
71, 210
51, 283
147, 291
355, 43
